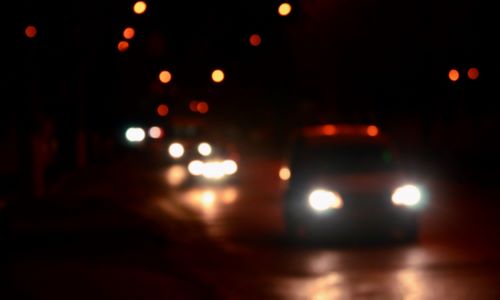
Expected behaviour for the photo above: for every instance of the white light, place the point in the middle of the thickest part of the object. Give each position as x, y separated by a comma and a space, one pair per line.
176, 150
322, 200
196, 167
229, 166
213, 170
407, 195
205, 149
285, 173
135, 134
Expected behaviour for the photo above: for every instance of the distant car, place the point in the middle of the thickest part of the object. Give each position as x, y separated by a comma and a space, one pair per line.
198, 161
346, 181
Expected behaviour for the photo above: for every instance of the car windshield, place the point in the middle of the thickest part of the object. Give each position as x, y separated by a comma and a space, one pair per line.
331, 157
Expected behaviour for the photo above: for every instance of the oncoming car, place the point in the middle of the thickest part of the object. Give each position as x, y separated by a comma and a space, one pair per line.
200, 162
346, 181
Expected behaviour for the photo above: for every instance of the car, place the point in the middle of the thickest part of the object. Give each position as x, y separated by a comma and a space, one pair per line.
347, 181
194, 157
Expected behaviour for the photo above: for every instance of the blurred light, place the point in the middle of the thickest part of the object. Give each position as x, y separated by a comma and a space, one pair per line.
202, 107
453, 75
176, 150
285, 173
229, 195
217, 76
140, 7
135, 134
473, 73
162, 110
205, 149
195, 167
155, 132
213, 170
165, 76
30, 31
123, 46
255, 40
329, 130
128, 33
407, 195
208, 198
372, 130
322, 200
176, 175
193, 105
229, 166
285, 9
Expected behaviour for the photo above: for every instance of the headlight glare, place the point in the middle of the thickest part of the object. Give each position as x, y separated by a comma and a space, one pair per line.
321, 200
407, 195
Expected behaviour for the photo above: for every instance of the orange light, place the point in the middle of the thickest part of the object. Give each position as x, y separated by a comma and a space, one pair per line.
284, 9
329, 130
193, 105
453, 75
217, 76
123, 46
255, 40
140, 7
372, 130
285, 173
165, 76
162, 110
30, 31
202, 107
128, 33
473, 73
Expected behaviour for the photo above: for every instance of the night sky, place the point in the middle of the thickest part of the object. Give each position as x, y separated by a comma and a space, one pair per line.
327, 58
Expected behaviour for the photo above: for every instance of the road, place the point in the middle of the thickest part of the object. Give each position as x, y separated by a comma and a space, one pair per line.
120, 230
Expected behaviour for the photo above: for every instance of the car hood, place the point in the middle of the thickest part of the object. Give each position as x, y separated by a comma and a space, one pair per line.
360, 183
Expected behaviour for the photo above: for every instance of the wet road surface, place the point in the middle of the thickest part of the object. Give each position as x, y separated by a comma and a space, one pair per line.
122, 231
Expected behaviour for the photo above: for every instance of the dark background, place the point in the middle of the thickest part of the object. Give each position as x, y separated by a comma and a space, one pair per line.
383, 62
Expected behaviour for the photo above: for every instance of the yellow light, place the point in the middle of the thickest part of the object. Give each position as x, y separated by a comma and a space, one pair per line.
453, 75
162, 110
176, 175
255, 40
285, 9
128, 33
165, 76
208, 198
285, 173
140, 7
217, 76
30, 31
372, 130
123, 46
473, 73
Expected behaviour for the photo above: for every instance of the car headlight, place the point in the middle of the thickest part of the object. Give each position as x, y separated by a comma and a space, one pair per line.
205, 149
406, 195
176, 150
321, 200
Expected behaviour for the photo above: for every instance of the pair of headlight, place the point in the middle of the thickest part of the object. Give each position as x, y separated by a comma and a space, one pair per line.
176, 150
322, 200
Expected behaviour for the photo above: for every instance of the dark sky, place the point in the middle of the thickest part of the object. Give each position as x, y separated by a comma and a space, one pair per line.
327, 56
